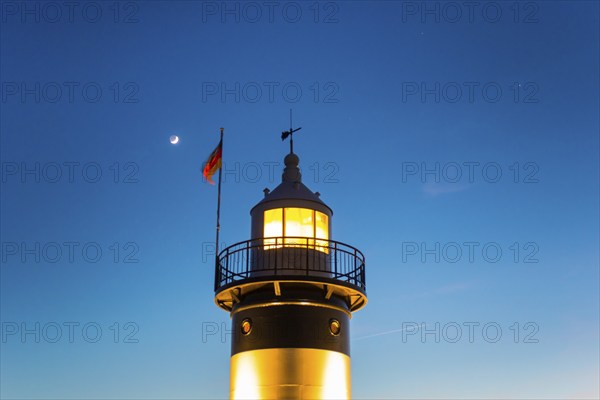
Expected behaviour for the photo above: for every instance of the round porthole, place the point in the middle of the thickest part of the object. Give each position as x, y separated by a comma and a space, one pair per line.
334, 327
246, 326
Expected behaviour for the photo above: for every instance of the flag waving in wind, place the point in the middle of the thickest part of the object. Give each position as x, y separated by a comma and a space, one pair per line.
213, 163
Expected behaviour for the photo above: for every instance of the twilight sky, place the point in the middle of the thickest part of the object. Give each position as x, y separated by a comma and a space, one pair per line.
457, 145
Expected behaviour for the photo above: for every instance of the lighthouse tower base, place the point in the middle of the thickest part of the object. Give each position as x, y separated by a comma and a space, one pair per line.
290, 374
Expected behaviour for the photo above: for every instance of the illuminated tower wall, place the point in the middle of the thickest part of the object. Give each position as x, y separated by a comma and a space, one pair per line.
291, 291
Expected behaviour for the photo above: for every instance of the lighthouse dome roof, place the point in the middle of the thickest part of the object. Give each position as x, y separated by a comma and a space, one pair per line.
291, 192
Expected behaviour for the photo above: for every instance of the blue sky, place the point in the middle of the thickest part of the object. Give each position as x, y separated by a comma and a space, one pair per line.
384, 92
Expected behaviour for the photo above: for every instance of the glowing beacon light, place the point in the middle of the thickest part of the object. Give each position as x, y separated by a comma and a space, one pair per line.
291, 291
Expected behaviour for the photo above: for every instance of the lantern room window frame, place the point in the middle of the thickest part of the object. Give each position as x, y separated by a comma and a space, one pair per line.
314, 242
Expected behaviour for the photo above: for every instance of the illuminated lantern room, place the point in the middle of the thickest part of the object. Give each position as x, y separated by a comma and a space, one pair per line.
292, 214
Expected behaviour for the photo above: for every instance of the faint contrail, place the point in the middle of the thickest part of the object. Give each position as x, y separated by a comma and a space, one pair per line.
384, 333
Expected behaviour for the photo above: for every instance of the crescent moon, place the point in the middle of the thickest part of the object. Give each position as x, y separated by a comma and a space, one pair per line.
174, 139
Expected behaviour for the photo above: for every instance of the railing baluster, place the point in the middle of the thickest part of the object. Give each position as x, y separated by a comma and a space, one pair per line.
354, 267
307, 257
226, 266
247, 259
217, 273
273, 251
335, 256
363, 277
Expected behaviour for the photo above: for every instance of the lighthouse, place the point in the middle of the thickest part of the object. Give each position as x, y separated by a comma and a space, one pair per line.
290, 290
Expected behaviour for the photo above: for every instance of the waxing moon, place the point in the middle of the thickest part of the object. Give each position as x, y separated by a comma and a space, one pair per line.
174, 139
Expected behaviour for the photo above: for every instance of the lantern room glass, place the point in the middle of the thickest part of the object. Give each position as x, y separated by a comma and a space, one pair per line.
298, 223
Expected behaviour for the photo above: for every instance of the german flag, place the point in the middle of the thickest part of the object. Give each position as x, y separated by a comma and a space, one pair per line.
213, 163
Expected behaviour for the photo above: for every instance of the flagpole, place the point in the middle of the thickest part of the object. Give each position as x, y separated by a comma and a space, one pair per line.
218, 212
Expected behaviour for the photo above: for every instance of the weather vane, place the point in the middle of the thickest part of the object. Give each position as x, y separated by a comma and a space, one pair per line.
290, 133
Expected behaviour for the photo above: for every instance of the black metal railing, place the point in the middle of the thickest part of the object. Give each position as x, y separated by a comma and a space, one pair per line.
290, 258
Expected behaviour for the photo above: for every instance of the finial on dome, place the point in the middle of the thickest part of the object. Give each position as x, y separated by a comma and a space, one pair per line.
291, 172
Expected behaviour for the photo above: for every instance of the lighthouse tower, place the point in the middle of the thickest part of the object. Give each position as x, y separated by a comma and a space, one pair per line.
291, 291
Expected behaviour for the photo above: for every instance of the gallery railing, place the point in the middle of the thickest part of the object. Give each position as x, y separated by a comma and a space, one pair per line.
290, 258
